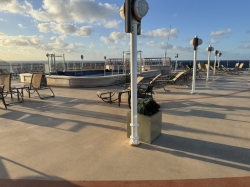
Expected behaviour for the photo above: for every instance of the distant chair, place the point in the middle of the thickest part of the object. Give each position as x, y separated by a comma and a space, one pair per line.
179, 77
5, 79
37, 85
2, 96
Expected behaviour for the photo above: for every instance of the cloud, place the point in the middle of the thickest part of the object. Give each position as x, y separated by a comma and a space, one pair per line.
213, 41
91, 45
244, 46
1, 19
113, 47
21, 26
112, 24
161, 33
246, 41
30, 42
220, 32
114, 37
80, 11
65, 28
164, 46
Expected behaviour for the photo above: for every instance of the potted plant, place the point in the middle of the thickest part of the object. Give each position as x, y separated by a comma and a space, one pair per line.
149, 119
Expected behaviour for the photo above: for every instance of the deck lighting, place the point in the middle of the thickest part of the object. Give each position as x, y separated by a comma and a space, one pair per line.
195, 42
216, 52
132, 11
209, 49
176, 56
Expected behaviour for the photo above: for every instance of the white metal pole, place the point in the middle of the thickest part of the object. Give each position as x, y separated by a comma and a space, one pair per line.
134, 138
11, 70
208, 64
176, 64
214, 63
194, 71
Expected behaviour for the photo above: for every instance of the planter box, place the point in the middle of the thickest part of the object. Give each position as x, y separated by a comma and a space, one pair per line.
149, 126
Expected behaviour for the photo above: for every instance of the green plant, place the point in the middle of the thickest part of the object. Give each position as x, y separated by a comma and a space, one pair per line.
147, 106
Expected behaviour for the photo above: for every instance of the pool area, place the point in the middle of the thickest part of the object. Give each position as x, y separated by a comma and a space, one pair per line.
86, 81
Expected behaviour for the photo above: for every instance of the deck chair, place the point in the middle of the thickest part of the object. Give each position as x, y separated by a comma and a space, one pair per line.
174, 80
4, 71
127, 85
37, 85
142, 93
233, 71
2, 96
5, 79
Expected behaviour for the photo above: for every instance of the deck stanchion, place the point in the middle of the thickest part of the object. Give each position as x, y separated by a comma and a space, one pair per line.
209, 49
215, 55
219, 55
195, 42
133, 26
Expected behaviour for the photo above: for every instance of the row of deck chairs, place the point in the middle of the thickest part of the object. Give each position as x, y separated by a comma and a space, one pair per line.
145, 87
35, 86
27, 70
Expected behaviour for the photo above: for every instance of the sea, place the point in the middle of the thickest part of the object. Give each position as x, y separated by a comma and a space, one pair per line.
226, 63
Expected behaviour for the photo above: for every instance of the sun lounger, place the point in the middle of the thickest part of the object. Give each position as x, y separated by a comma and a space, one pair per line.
2, 96
37, 85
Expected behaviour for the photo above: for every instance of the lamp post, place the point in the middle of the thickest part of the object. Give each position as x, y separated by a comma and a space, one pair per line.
132, 12
215, 55
209, 49
82, 60
195, 42
176, 57
219, 54
105, 65
47, 55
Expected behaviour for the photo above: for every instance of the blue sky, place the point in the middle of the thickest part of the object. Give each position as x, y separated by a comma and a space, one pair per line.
31, 28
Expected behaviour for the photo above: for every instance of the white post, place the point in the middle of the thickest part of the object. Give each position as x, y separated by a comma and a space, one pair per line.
134, 138
176, 65
214, 63
11, 70
194, 71
208, 64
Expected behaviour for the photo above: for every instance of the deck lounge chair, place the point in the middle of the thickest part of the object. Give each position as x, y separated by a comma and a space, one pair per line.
233, 71
5, 79
2, 96
174, 80
37, 85
127, 85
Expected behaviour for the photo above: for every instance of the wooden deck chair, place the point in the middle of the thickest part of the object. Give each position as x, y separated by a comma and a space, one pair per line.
127, 85
233, 72
4, 71
2, 96
5, 79
36, 85
178, 77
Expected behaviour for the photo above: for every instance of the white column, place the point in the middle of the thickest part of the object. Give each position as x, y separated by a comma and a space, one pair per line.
176, 64
134, 138
214, 64
194, 71
208, 64
219, 61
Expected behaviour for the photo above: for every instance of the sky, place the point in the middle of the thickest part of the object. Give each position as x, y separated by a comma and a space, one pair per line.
29, 29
